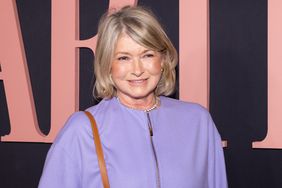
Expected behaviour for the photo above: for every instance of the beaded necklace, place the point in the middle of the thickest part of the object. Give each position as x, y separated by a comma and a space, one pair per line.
155, 105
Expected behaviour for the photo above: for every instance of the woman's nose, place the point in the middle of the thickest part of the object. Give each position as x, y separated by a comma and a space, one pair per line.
138, 68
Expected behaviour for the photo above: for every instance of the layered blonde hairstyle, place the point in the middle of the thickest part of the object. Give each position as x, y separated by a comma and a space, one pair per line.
142, 26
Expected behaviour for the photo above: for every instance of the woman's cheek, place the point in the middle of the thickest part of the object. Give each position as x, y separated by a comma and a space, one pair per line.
155, 68
119, 71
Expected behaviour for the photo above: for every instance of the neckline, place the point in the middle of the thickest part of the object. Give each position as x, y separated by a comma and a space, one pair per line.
155, 106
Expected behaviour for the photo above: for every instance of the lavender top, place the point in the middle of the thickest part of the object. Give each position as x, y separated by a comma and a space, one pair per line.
186, 143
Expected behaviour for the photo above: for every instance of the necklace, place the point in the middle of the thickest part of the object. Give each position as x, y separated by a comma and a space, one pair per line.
155, 105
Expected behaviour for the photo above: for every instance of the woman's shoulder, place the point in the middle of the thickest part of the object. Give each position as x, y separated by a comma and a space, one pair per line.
183, 112
104, 106
179, 105
78, 124
73, 128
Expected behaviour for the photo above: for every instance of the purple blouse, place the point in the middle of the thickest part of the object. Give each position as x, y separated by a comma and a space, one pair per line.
184, 150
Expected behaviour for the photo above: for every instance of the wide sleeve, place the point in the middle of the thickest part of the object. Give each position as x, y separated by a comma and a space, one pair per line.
60, 170
62, 166
216, 163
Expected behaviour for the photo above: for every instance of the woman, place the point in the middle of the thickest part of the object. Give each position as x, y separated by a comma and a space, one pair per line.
148, 140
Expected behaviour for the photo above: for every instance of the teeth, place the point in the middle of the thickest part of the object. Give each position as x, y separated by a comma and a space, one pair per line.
137, 81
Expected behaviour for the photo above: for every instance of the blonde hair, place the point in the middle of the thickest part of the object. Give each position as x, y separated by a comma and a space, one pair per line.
143, 27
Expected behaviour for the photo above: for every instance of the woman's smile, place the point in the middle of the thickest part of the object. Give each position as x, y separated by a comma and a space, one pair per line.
138, 81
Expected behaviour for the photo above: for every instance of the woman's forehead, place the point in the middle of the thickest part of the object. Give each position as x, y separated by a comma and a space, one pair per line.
126, 44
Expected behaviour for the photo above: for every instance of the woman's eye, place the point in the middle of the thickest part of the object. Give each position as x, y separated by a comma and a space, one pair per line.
148, 55
123, 58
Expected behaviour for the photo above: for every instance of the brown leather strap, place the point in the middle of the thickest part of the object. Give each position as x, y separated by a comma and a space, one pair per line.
99, 151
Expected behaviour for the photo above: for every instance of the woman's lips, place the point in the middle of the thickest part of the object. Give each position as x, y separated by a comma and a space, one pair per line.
138, 81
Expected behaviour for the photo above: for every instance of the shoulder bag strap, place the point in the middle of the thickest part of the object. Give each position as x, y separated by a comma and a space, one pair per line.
99, 150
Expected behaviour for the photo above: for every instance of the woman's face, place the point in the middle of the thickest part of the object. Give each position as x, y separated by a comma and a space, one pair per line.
135, 70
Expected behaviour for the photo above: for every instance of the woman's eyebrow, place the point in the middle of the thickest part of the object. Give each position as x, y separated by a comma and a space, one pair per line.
121, 52
128, 53
147, 51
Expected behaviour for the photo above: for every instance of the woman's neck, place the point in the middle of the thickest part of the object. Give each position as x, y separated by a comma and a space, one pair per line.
146, 104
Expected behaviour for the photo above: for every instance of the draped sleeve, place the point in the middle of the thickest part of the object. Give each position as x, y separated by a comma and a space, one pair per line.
62, 166
216, 163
